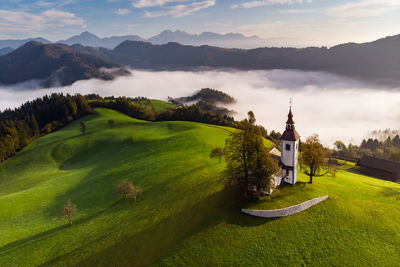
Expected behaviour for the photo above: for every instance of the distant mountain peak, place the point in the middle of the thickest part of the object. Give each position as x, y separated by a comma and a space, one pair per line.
88, 34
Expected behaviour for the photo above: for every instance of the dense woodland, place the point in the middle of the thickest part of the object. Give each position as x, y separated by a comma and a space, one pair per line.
35, 118
389, 148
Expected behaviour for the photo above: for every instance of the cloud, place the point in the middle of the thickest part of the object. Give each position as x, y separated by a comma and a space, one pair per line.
42, 3
364, 8
297, 11
18, 21
180, 10
259, 3
122, 11
332, 106
153, 3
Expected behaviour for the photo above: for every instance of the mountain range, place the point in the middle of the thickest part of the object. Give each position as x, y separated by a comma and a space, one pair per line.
13, 44
378, 60
206, 38
61, 64
55, 65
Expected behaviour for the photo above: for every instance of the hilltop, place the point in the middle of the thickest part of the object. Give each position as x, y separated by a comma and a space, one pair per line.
54, 65
184, 216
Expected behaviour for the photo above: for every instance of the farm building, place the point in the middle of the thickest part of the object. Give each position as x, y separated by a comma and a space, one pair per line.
380, 168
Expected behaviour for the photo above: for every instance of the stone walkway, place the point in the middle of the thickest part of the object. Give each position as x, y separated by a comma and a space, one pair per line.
286, 211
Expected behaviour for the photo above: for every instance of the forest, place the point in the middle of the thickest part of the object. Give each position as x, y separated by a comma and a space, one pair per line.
35, 118
388, 148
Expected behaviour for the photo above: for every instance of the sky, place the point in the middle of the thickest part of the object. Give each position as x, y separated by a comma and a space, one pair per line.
296, 23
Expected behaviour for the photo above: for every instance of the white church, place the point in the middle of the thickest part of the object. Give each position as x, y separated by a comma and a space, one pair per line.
289, 154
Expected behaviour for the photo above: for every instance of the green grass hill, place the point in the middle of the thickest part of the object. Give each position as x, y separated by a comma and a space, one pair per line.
184, 216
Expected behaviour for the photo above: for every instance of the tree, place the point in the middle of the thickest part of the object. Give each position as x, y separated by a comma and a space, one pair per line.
340, 147
249, 165
124, 188
313, 158
218, 152
394, 154
111, 123
68, 210
137, 190
127, 189
83, 127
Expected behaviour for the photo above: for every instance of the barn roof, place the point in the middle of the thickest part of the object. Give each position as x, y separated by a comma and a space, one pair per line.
380, 164
275, 153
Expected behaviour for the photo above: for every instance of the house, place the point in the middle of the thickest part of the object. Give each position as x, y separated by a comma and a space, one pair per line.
380, 168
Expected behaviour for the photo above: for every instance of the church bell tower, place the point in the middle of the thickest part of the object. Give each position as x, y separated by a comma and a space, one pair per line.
289, 151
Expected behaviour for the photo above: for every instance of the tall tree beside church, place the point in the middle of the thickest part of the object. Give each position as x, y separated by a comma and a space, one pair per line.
313, 159
249, 165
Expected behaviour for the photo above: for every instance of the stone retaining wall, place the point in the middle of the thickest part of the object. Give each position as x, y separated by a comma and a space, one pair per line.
286, 211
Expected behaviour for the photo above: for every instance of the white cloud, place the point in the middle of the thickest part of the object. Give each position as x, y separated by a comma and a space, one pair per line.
259, 3
181, 10
332, 106
364, 8
122, 11
153, 3
297, 11
42, 3
19, 21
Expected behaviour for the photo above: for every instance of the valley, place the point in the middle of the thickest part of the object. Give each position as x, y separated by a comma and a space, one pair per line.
184, 216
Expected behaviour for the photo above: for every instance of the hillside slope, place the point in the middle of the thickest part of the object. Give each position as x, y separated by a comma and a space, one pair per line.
53, 65
184, 216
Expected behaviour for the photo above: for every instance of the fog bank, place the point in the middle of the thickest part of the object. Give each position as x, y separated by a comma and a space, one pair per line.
330, 105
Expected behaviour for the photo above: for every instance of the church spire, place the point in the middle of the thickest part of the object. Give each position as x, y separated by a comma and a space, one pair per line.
290, 117
290, 134
290, 121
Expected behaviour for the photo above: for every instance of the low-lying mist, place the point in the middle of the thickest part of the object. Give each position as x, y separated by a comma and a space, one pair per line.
335, 107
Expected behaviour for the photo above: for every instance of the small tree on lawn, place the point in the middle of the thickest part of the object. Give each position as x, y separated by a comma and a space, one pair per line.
124, 188
137, 190
313, 158
218, 152
83, 127
111, 123
68, 210
128, 190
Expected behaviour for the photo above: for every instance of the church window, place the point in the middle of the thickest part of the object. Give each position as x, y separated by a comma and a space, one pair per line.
287, 147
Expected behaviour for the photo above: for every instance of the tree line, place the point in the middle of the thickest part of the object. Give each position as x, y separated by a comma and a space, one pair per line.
20, 126
193, 113
389, 148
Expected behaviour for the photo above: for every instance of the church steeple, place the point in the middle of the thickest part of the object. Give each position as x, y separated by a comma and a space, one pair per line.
289, 150
290, 121
290, 133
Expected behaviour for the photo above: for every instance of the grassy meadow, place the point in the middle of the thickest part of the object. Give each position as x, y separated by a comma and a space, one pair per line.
184, 216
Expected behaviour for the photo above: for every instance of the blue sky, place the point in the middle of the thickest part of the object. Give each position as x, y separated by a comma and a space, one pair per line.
280, 22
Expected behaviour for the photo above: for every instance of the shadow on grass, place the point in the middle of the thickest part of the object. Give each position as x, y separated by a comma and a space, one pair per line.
391, 192
155, 242
19, 244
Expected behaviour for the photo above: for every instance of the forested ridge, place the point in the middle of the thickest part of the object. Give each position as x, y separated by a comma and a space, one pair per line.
35, 118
